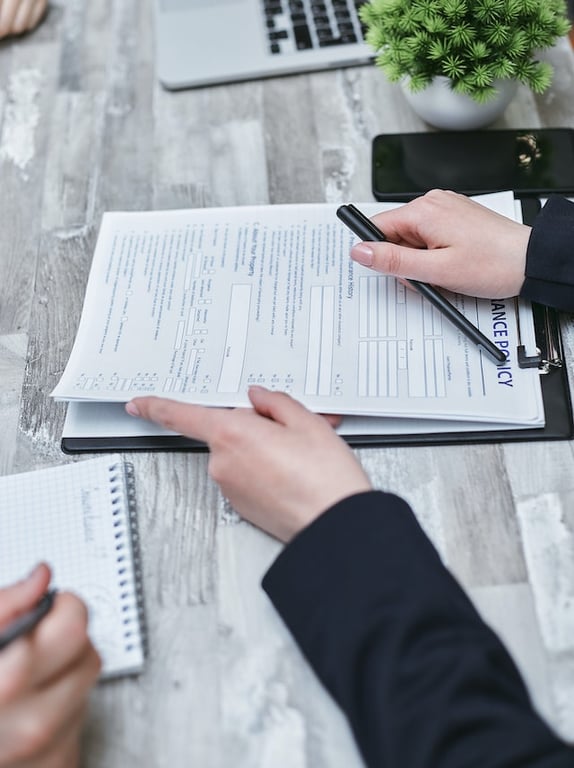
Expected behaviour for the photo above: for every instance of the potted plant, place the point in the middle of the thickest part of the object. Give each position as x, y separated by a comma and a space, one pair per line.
470, 52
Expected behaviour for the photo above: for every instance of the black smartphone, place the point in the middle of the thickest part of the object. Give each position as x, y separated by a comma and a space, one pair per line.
532, 162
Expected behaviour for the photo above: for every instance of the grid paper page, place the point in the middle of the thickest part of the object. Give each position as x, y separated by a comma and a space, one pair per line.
76, 518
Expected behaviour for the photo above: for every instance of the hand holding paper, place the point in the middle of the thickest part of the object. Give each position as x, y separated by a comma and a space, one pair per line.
279, 465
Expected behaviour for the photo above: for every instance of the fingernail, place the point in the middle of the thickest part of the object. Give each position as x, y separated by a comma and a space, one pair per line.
132, 409
363, 254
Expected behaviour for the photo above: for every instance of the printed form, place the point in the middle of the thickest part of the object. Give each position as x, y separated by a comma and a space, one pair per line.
197, 305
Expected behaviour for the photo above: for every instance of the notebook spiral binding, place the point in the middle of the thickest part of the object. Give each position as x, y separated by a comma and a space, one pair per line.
122, 489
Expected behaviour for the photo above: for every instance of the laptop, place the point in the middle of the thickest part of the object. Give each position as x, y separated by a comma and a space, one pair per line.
206, 42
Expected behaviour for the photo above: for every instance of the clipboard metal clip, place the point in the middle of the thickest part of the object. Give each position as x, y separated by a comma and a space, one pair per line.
548, 330
528, 361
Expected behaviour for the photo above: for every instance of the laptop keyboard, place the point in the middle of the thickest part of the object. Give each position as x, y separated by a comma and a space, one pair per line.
300, 25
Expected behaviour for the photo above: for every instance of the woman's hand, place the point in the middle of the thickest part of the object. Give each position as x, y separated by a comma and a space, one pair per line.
449, 240
45, 678
279, 465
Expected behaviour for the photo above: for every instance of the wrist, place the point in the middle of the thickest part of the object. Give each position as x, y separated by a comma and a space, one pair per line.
304, 518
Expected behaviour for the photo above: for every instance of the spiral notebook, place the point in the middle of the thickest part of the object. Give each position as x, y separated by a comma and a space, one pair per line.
80, 518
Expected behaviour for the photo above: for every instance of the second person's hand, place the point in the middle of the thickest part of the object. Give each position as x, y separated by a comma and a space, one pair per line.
279, 465
45, 678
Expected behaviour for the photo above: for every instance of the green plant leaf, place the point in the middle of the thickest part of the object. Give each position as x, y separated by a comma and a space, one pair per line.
462, 35
453, 67
474, 42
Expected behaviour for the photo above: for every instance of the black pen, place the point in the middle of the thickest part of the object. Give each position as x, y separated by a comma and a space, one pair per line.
364, 228
27, 621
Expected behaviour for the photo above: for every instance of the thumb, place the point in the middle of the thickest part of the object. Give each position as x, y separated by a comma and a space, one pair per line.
23, 595
400, 261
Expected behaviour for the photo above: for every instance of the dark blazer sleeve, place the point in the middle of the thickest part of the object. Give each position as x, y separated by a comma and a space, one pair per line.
423, 681
550, 256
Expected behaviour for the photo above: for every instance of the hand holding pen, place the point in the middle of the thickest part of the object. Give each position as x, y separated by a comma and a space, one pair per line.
368, 231
25, 623
47, 667
451, 241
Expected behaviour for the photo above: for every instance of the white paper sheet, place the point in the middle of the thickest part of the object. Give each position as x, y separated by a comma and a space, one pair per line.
197, 305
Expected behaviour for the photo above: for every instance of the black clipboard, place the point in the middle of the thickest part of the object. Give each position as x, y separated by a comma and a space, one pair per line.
555, 395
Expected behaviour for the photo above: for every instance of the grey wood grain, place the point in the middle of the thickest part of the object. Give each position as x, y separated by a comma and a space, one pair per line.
12, 365
511, 610
85, 127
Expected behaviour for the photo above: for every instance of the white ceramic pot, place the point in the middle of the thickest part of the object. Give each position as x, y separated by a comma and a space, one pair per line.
442, 107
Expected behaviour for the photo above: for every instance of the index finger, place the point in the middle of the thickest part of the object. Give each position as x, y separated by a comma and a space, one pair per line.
421, 222
195, 421
401, 225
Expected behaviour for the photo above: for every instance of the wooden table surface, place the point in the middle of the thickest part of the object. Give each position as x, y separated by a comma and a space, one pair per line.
85, 127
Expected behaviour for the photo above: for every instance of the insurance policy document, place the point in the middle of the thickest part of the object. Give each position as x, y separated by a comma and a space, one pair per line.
199, 304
